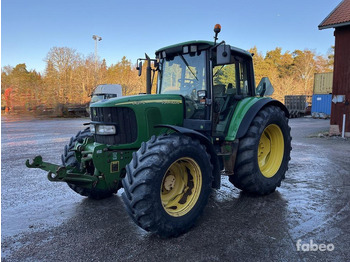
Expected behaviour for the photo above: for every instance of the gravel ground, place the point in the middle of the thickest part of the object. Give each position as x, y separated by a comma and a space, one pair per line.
44, 221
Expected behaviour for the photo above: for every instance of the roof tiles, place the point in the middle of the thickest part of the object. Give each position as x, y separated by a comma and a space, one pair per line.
340, 16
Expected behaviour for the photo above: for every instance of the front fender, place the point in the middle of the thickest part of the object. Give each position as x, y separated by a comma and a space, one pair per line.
209, 146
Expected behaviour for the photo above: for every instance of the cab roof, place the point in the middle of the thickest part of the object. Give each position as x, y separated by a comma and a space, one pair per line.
201, 44
179, 46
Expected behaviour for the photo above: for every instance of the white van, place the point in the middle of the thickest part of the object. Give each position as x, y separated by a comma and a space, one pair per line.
102, 92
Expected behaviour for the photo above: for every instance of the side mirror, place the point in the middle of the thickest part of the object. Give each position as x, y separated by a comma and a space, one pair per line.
139, 68
223, 54
265, 87
155, 64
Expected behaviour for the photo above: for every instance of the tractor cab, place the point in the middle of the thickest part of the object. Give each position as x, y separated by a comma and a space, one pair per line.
212, 78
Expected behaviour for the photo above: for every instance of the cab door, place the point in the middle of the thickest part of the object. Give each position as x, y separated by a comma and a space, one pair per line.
231, 83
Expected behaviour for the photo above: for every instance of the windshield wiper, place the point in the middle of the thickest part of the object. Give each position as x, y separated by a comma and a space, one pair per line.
184, 60
218, 71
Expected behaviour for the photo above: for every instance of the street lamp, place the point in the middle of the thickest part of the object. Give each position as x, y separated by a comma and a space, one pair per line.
96, 38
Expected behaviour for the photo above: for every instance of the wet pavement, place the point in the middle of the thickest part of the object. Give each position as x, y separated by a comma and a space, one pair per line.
45, 221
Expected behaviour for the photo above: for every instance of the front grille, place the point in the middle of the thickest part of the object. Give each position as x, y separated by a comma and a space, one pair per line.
125, 120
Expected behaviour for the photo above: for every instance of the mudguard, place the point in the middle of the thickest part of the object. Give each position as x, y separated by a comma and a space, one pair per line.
208, 144
245, 112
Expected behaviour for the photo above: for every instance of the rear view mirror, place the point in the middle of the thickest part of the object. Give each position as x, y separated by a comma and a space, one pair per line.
223, 54
265, 87
155, 64
139, 68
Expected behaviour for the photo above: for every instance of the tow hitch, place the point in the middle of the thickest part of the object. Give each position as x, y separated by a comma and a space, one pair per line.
58, 173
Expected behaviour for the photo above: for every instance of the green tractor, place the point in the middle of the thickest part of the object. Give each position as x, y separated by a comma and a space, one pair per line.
168, 150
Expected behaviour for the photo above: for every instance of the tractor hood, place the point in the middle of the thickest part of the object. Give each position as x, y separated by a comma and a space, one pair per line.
152, 100
136, 117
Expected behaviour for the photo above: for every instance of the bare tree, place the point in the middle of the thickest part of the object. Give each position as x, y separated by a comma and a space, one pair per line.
64, 61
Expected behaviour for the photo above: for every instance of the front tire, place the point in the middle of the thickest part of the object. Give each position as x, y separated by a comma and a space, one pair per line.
69, 159
167, 185
263, 153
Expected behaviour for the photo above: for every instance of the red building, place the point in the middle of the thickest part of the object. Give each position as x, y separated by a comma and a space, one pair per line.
339, 19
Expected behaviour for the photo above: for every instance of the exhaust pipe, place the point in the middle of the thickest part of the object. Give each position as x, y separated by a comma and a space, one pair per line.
148, 76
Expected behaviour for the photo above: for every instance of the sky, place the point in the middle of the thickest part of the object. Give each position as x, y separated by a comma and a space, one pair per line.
131, 28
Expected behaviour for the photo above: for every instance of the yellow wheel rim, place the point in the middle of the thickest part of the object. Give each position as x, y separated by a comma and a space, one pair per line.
181, 186
270, 150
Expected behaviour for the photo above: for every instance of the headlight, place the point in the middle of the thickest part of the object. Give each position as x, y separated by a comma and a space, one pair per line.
105, 130
92, 128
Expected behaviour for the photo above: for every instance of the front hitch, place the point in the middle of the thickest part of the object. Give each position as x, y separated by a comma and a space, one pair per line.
58, 173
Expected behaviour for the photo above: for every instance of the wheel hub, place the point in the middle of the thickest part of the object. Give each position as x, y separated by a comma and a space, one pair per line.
181, 186
270, 150
169, 182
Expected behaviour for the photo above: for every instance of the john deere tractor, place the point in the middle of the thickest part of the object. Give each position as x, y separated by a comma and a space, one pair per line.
168, 150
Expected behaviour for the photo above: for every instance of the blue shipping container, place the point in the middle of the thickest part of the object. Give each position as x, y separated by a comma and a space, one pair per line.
321, 104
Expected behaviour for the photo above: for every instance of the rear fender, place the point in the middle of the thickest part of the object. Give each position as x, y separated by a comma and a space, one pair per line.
245, 113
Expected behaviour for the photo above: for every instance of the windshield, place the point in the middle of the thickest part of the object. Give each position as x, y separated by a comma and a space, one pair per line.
99, 97
96, 98
185, 75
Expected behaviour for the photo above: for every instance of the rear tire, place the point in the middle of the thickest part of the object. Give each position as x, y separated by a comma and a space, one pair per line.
263, 153
68, 159
167, 185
